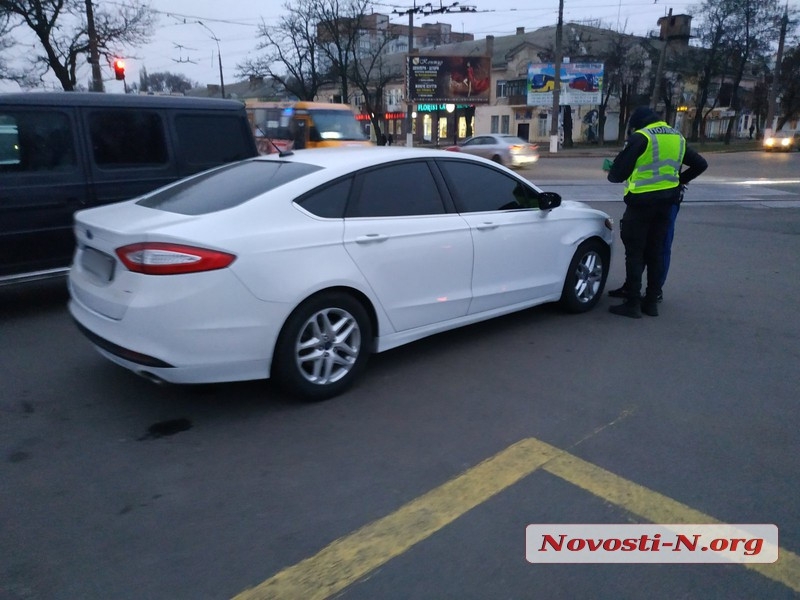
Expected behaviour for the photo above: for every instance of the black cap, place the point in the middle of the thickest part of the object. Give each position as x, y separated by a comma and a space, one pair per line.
641, 117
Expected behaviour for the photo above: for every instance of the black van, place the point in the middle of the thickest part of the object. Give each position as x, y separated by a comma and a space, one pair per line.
65, 151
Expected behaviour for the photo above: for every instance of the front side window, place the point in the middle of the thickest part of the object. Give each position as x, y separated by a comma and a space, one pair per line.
36, 142
478, 188
126, 138
401, 189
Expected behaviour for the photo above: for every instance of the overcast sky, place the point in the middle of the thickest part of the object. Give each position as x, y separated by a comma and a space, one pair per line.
182, 45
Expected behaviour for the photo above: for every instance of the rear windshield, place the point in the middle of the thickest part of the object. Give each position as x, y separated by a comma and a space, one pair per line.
226, 187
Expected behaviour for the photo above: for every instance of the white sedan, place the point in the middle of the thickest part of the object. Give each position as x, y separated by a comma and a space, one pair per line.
299, 266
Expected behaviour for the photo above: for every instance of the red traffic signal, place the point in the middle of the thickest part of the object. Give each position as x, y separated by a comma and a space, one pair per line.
119, 69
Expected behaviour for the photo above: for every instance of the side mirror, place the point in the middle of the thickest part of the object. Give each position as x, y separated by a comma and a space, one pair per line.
549, 200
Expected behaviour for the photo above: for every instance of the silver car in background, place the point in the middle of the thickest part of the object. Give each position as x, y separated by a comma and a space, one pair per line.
504, 149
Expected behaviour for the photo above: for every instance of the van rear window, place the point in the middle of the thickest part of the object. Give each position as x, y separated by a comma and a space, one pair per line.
225, 187
36, 142
127, 138
208, 140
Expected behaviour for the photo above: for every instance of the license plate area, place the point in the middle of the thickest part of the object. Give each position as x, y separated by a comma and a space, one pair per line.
98, 263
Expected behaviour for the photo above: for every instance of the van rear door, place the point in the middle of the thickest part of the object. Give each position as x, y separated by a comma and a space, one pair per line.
42, 183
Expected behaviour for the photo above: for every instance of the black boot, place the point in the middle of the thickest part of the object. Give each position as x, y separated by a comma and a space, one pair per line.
620, 292
650, 305
630, 308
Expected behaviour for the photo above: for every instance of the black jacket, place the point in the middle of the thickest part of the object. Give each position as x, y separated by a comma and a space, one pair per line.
635, 146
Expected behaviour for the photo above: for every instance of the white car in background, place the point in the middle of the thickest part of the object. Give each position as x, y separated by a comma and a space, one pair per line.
299, 266
503, 149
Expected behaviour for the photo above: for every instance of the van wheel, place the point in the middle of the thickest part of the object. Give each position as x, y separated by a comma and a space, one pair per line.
586, 277
323, 346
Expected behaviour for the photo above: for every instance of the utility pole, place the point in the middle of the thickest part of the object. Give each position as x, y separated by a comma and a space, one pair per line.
424, 9
660, 69
94, 55
219, 57
773, 90
557, 86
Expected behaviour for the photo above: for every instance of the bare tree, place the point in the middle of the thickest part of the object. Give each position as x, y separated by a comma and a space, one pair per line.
339, 31
789, 83
61, 30
163, 83
292, 54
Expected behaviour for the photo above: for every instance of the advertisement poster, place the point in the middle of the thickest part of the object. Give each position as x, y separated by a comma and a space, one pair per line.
434, 79
581, 84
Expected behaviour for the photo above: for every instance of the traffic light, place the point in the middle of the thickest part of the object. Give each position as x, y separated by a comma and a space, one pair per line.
119, 69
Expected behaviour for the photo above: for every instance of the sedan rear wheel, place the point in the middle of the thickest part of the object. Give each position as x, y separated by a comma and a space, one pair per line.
323, 346
586, 277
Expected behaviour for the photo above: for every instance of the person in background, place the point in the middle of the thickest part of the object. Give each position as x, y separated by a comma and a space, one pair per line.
650, 165
390, 140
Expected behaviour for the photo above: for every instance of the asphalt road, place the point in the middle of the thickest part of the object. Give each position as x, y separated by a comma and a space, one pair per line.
115, 488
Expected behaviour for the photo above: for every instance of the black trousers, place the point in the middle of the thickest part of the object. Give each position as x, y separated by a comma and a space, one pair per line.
643, 228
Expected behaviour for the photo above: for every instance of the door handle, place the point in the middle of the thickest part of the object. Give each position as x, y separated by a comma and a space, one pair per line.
371, 238
486, 226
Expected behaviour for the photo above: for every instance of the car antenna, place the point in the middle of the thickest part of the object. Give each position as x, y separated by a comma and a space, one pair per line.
281, 153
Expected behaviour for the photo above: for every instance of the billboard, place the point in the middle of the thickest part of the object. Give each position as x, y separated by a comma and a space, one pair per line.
460, 79
581, 84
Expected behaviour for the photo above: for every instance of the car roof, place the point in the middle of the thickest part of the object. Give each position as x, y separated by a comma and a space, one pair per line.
352, 159
95, 99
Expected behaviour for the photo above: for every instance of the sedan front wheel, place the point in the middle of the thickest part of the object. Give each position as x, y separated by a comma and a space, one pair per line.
586, 276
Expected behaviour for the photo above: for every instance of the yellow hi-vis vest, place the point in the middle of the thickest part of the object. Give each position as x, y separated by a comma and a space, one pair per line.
659, 167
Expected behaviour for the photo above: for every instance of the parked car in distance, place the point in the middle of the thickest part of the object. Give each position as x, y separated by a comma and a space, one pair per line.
503, 149
64, 151
299, 267
785, 141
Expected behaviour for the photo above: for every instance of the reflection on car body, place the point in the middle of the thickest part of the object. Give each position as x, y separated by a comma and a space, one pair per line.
298, 267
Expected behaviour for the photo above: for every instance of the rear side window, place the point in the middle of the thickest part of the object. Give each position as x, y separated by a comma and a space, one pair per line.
209, 140
329, 202
478, 188
398, 190
36, 142
127, 138
225, 187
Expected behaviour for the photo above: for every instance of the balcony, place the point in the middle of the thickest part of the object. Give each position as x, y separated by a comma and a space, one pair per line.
518, 100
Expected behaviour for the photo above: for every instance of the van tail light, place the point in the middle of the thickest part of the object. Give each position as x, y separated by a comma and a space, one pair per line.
157, 258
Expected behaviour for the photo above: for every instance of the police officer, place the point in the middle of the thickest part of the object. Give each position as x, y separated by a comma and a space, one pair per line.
650, 165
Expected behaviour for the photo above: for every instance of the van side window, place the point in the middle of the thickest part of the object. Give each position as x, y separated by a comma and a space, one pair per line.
36, 141
208, 140
125, 138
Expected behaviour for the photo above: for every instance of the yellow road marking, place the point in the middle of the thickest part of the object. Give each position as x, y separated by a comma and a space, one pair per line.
350, 558
657, 508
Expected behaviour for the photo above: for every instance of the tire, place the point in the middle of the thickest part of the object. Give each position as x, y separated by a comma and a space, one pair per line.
323, 346
498, 159
586, 277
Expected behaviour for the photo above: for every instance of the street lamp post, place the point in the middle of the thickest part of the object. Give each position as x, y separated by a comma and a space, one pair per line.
219, 57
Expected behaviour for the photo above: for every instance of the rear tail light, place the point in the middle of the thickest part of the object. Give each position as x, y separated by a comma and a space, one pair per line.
154, 258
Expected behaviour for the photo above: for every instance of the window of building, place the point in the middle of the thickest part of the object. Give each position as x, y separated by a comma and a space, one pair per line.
495, 124
500, 89
504, 123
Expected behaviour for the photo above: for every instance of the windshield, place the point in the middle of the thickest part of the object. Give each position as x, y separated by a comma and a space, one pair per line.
337, 125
